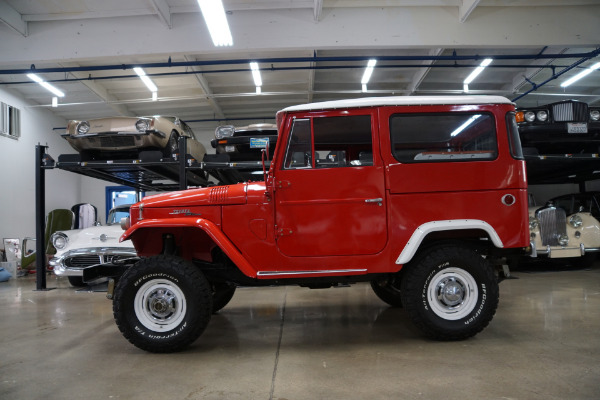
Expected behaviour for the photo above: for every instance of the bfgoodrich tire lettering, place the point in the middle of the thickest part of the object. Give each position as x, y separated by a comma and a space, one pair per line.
450, 292
162, 304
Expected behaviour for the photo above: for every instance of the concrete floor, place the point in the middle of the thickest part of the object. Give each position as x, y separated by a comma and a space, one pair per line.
294, 343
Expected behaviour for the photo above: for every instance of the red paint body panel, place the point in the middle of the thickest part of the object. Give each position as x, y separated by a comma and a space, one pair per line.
341, 221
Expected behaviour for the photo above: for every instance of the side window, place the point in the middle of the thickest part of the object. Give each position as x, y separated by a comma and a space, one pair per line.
343, 141
299, 149
443, 137
338, 142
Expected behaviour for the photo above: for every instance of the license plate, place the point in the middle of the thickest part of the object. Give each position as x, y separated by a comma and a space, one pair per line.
573, 127
259, 143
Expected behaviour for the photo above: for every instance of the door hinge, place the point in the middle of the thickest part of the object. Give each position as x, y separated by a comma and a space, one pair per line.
282, 232
283, 184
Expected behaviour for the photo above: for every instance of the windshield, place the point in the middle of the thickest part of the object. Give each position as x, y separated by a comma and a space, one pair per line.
115, 215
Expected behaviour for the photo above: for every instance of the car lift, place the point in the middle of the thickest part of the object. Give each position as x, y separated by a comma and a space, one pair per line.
150, 172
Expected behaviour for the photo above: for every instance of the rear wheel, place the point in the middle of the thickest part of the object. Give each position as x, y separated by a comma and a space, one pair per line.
388, 290
450, 292
222, 293
162, 304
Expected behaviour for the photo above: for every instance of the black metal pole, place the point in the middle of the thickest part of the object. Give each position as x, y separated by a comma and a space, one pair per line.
182, 161
40, 218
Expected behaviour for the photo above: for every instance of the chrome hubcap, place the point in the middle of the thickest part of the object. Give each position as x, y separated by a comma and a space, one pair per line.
452, 293
160, 305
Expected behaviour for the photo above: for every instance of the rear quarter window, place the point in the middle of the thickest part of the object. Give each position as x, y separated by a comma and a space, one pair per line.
443, 137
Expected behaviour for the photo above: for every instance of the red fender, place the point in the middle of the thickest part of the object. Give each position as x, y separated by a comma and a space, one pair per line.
210, 228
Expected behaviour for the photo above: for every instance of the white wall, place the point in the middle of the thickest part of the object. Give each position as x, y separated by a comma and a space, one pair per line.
17, 172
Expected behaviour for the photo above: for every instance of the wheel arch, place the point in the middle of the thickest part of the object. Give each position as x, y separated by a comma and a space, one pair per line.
447, 229
190, 238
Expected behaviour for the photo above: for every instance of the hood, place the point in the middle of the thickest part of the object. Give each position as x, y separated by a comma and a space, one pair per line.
210, 196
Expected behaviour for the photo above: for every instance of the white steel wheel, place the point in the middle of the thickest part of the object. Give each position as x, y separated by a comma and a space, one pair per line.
160, 305
452, 293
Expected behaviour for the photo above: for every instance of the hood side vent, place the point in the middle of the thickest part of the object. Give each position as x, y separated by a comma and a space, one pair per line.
218, 194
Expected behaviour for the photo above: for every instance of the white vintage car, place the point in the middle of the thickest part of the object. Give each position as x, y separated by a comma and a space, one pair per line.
80, 248
555, 234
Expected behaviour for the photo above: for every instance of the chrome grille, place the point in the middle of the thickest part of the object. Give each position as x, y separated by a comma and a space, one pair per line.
571, 112
83, 261
553, 224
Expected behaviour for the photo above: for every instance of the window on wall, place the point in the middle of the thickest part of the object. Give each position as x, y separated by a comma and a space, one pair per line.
10, 121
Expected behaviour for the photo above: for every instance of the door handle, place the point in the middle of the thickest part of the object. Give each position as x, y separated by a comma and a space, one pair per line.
378, 200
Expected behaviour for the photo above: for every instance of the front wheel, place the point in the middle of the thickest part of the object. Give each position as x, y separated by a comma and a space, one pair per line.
162, 304
172, 146
450, 292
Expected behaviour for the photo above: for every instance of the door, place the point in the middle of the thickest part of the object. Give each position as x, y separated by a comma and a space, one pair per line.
329, 191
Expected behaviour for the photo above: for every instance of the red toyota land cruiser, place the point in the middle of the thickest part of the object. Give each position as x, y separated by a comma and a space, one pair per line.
423, 197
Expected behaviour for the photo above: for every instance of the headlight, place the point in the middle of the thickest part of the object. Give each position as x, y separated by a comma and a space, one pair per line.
595, 115
83, 127
542, 115
224, 131
125, 223
59, 240
563, 240
575, 221
533, 223
142, 125
529, 116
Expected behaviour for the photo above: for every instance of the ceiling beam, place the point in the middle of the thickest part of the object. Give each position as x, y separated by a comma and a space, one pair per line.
101, 92
422, 73
205, 87
162, 9
12, 18
466, 8
318, 10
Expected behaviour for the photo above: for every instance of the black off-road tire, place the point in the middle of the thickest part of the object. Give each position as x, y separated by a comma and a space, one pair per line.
172, 146
162, 304
222, 293
450, 292
76, 281
388, 290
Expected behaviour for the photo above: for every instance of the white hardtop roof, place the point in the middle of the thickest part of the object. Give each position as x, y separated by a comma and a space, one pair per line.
399, 101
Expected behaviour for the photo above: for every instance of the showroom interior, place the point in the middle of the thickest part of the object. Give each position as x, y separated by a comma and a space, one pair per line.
81, 60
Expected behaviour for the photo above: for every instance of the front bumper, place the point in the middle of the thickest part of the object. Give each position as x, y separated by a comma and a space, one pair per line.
562, 252
73, 262
116, 140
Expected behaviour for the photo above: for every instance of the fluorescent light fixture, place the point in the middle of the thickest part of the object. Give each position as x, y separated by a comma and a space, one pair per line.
580, 75
466, 88
216, 21
149, 84
154, 96
463, 126
364, 88
55, 102
45, 85
368, 71
256, 74
258, 90
478, 70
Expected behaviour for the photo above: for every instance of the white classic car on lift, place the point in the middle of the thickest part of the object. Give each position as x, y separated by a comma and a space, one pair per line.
80, 248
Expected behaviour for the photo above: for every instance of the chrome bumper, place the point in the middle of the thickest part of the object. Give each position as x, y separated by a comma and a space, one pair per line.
103, 254
562, 252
